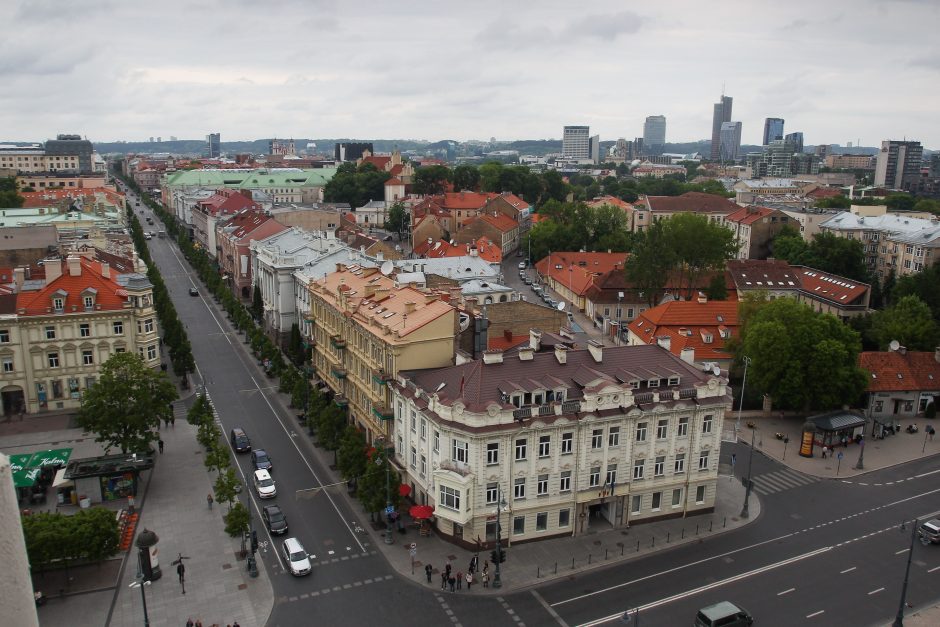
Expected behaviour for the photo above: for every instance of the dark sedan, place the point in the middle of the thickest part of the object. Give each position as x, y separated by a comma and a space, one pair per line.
274, 518
261, 460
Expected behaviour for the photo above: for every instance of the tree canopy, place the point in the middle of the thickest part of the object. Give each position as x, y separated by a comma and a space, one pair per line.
356, 186
909, 321
803, 359
124, 407
925, 285
9, 197
575, 226
827, 252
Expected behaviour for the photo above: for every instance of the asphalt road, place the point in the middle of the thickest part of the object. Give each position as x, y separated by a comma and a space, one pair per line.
822, 550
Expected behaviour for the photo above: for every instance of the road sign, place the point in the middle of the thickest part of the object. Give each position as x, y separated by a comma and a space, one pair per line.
413, 546
840, 454
390, 509
413, 551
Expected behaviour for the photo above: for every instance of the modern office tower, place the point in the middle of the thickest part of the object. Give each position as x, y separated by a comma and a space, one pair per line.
72, 145
722, 114
576, 142
213, 145
773, 129
796, 139
729, 141
898, 164
594, 148
351, 151
654, 132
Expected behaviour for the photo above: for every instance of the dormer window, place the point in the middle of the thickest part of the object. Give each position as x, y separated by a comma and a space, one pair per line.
560, 396
634, 385
58, 304
652, 383
89, 302
673, 380
537, 397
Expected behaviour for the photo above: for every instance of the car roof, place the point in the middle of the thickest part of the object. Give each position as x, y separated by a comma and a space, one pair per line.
258, 451
293, 544
933, 522
238, 431
262, 474
723, 608
272, 508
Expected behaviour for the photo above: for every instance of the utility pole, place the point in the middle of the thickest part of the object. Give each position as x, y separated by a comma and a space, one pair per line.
747, 362
747, 490
899, 619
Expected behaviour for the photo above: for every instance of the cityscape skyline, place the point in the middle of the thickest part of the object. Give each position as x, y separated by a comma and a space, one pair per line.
469, 87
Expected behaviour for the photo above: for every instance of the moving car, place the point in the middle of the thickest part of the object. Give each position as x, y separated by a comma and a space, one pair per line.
193, 291
261, 460
297, 560
274, 518
522, 265
264, 484
929, 532
240, 441
723, 614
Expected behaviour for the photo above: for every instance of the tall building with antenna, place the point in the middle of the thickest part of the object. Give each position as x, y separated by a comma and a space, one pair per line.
720, 115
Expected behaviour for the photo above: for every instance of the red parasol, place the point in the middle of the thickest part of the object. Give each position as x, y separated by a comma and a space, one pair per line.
404, 490
421, 512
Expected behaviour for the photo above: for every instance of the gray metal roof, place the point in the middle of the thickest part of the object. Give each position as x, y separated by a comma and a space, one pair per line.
838, 420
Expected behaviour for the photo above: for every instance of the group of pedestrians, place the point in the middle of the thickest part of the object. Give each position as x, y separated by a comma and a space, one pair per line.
198, 623
455, 581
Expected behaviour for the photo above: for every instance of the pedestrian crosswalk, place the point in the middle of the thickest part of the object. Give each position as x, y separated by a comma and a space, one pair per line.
781, 480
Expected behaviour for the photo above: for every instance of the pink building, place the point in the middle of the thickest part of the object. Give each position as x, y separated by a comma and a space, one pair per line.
234, 238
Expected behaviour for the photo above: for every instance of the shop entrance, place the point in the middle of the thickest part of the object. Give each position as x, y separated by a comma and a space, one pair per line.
13, 400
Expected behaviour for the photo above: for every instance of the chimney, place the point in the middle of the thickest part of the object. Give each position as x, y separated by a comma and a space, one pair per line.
507, 335
492, 356
409, 306
19, 275
687, 355
105, 269
597, 350
561, 353
535, 340
53, 269
527, 354
75, 265
370, 291
702, 299
665, 341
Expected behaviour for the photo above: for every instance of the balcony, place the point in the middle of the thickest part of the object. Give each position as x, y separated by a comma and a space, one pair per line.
383, 412
643, 397
341, 400
337, 342
338, 372
381, 377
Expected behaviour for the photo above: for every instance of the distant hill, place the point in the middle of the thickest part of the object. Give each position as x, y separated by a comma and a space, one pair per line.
197, 147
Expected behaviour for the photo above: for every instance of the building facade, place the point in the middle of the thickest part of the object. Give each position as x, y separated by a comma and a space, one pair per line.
729, 141
654, 133
573, 440
720, 115
214, 145
898, 164
773, 129
576, 142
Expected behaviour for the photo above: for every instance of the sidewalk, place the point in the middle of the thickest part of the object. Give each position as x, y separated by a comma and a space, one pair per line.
891, 451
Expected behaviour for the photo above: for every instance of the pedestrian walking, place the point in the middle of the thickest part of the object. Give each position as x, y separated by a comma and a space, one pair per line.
845, 442
452, 582
190, 623
166, 422
825, 450
235, 624
459, 580
447, 569
469, 580
486, 579
443, 581
160, 446
209, 500
427, 571
173, 421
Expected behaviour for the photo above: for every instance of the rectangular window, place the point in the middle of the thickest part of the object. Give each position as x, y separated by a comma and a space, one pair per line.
450, 498
89, 302
53, 360
683, 429
414, 421
703, 460
541, 521
700, 495
638, 468
565, 484
4, 336
414, 457
677, 497
662, 429
641, 431
492, 453
84, 330
611, 474
521, 445
148, 325
635, 504
424, 428
659, 467
58, 304
518, 489
657, 501
88, 357
597, 438
594, 479
545, 445
542, 486
492, 493
424, 465
7, 364
437, 441
461, 451
518, 525
566, 439
707, 424
152, 351
50, 333
613, 436
564, 518
680, 463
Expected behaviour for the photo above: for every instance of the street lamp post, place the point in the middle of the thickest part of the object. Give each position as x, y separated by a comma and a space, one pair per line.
899, 619
860, 465
619, 317
388, 495
747, 489
747, 362
497, 580
139, 582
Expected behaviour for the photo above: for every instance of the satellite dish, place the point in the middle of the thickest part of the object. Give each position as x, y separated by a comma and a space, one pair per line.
561, 306
464, 322
716, 370
894, 345
387, 268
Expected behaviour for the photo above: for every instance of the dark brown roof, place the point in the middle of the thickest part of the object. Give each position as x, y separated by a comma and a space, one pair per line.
697, 202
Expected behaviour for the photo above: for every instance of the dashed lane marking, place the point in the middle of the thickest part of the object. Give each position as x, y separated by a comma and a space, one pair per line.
510, 611
876, 591
446, 607
847, 570
815, 614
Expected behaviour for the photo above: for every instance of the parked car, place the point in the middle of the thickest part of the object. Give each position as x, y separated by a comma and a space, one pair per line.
193, 291
723, 614
240, 441
523, 265
527, 281
297, 559
264, 484
274, 518
929, 532
261, 460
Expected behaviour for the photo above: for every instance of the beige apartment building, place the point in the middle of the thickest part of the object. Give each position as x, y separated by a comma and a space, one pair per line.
850, 162
366, 329
55, 335
34, 159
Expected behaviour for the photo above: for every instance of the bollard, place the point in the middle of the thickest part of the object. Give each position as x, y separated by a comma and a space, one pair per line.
710, 525
622, 547
696, 528
683, 534
667, 537
637, 546
556, 568
725, 523
538, 572
605, 553
572, 563
653, 543
589, 558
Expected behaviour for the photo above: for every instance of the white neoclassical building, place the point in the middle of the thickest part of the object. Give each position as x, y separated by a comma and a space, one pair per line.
571, 439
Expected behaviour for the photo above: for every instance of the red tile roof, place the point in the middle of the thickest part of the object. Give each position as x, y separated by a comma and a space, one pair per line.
501, 221
901, 372
612, 201
749, 214
379, 162
690, 324
44, 198
108, 293
504, 343
464, 200
578, 269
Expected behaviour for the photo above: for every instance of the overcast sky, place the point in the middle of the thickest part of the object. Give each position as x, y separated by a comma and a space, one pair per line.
838, 70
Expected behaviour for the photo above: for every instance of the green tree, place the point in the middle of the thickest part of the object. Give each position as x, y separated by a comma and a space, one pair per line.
217, 457
900, 202
372, 485
834, 202
432, 179
351, 457
928, 205
226, 487
802, 359
257, 302
9, 196
331, 424
236, 520
124, 408
700, 245
717, 287
466, 177
651, 262
910, 322
398, 220
925, 285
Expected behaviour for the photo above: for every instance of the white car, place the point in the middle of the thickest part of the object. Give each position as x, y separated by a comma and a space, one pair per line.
522, 265
264, 485
298, 562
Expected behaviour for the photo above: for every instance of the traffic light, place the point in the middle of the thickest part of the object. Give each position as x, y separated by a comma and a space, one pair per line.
254, 541
498, 557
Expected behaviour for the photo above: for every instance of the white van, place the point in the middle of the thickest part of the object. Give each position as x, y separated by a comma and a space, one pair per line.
264, 485
298, 562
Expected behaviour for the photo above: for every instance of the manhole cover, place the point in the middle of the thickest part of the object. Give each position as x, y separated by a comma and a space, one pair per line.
242, 586
226, 566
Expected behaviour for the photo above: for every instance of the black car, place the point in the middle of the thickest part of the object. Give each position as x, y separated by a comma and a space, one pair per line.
240, 441
193, 291
274, 518
261, 460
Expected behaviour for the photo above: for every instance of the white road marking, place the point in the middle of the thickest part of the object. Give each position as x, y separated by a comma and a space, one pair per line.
780, 594
847, 570
876, 591
901, 551
933, 569
815, 614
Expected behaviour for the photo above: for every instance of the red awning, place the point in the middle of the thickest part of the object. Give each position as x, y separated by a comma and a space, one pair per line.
404, 490
421, 512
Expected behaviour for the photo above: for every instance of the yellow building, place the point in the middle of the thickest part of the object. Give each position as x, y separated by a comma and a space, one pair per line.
56, 333
366, 328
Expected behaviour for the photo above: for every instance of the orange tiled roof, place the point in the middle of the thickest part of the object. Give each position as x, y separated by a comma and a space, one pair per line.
503, 343
501, 221
43, 198
578, 269
612, 201
465, 200
894, 371
690, 324
108, 294
697, 202
379, 162
749, 214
